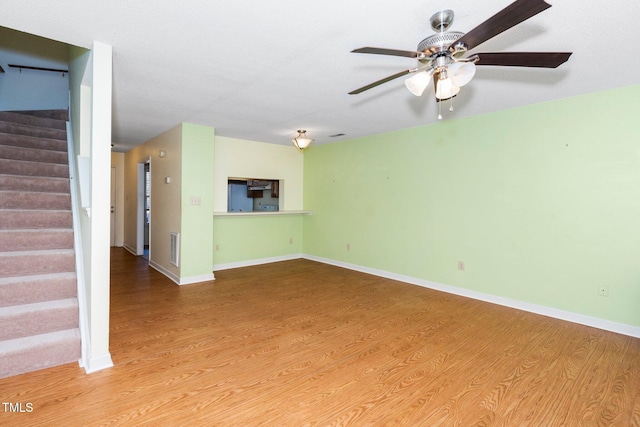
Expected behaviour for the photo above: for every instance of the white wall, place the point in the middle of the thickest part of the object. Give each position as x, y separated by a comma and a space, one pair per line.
100, 205
91, 73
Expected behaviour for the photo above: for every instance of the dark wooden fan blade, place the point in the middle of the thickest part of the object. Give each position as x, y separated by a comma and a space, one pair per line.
510, 16
379, 82
383, 51
524, 59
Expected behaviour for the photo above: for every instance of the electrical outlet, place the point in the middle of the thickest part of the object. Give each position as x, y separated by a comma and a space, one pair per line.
603, 290
291, 240
461, 265
348, 246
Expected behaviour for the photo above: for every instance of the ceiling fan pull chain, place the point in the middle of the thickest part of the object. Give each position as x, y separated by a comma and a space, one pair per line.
440, 110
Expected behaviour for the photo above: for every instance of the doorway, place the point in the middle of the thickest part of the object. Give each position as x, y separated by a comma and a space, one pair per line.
113, 207
144, 210
147, 209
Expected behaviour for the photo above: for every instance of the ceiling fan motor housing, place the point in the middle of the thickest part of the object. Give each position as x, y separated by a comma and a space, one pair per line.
436, 43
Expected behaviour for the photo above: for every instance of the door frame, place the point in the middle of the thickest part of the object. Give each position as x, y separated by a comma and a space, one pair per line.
140, 217
114, 205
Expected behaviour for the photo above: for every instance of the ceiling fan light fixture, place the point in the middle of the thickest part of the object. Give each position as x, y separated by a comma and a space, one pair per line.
418, 83
461, 73
302, 141
443, 54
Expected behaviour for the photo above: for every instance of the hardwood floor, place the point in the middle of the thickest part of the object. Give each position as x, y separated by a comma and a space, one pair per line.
299, 343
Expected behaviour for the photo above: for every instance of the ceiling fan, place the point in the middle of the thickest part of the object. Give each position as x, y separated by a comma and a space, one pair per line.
441, 56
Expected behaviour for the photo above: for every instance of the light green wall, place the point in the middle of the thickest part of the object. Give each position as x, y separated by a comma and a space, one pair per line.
197, 182
238, 239
541, 203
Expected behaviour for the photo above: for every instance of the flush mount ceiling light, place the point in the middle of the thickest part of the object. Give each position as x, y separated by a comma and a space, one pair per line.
443, 55
302, 141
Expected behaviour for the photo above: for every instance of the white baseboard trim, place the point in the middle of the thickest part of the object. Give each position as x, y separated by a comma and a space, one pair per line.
164, 271
607, 325
130, 249
98, 364
181, 280
249, 263
196, 279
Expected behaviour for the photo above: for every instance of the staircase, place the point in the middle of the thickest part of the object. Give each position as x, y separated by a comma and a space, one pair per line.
39, 326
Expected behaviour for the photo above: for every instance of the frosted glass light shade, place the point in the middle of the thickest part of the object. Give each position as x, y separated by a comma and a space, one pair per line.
445, 88
302, 141
418, 83
461, 73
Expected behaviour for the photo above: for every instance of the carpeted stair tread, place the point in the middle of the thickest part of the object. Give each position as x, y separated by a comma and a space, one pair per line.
30, 119
34, 200
39, 352
27, 240
30, 130
18, 219
58, 115
32, 142
37, 288
34, 183
33, 155
27, 263
37, 318
29, 168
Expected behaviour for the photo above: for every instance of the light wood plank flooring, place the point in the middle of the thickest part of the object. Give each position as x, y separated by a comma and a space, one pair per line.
299, 343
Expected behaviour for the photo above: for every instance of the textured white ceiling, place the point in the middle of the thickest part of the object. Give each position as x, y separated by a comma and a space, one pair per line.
260, 70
